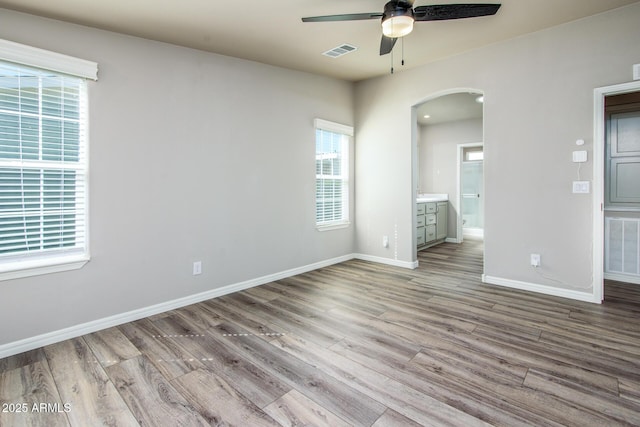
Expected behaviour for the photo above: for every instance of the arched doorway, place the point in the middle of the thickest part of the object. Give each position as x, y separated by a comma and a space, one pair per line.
446, 125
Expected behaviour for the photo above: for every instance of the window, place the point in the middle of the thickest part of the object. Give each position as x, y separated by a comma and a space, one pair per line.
332, 174
43, 165
473, 154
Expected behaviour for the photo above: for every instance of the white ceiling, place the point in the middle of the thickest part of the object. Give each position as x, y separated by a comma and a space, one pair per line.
271, 31
453, 107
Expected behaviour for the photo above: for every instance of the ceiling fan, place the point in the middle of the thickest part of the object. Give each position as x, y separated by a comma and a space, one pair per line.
399, 15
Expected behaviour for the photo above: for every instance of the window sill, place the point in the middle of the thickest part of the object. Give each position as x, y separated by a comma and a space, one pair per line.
37, 267
334, 226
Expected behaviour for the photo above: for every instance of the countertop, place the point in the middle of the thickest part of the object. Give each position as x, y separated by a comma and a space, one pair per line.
432, 197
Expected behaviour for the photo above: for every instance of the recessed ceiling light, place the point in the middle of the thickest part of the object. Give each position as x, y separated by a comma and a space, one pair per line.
426, 116
480, 99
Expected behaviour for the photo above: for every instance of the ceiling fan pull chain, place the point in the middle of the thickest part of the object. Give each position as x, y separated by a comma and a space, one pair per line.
403, 51
391, 61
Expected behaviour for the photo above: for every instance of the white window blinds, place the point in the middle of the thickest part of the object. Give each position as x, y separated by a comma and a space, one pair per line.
43, 168
332, 173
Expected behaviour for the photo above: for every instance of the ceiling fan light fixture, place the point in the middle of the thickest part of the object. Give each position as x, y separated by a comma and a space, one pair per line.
397, 26
397, 19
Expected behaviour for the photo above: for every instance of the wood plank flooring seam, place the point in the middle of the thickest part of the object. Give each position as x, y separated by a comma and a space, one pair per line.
55, 383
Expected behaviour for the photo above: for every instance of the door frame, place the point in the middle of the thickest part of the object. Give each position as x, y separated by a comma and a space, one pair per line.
599, 141
460, 159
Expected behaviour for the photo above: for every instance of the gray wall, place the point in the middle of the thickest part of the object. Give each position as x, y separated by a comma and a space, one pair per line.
438, 160
193, 156
538, 91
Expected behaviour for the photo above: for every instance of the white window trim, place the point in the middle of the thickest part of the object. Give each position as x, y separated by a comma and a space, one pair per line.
333, 226
55, 264
345, 130
40, 58
333, 127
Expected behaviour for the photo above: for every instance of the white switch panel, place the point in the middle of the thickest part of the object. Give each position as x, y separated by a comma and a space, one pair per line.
581, 187
579, 156
636, 72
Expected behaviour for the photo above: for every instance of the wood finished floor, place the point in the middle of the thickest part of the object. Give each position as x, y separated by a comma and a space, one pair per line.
352, 344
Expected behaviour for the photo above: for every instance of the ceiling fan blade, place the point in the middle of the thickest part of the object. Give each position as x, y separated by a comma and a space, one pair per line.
386, 45
441, 12
344, 17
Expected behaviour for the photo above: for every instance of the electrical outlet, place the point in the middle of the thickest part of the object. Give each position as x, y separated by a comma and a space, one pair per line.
197, 268
385, 241
581, 187
535, 260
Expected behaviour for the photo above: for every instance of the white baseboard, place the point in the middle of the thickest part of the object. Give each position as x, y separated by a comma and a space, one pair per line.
31, 343
452, 240
473, 232
388, 261
542, 289
622, 278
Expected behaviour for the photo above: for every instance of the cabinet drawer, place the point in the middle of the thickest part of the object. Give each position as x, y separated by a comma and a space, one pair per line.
421, 209
430, 233
421, 235
430, 207
430, 219
421, 221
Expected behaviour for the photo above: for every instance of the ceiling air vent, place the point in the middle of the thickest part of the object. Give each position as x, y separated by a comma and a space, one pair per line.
340, 50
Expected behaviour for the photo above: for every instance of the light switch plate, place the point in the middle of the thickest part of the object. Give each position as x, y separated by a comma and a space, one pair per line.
579, 156
581, 187
636, 72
